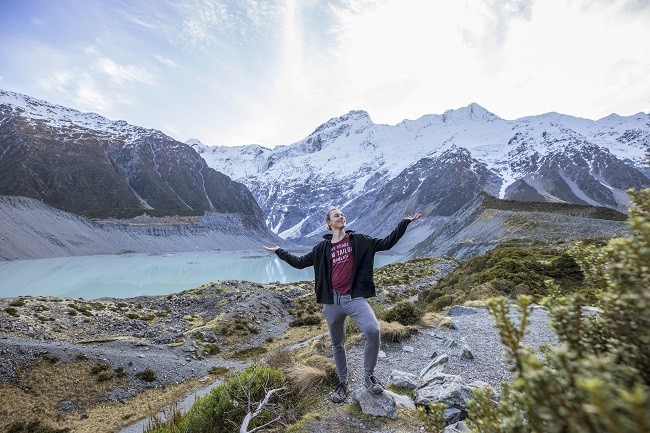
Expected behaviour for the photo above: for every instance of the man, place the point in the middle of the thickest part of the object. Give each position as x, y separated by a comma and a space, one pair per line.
343, 274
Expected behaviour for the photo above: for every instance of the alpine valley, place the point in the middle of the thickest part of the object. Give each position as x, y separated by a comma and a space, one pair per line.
478, 180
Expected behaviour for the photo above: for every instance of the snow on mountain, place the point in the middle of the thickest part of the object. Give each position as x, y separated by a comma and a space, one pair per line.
60, 117
89, 165
349, 157
378, 172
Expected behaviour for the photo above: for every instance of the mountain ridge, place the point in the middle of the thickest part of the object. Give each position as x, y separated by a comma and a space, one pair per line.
364, 167
438, 165
89, 165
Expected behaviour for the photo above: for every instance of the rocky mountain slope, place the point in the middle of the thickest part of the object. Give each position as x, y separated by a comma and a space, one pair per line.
88, 165
436, 165
31, 229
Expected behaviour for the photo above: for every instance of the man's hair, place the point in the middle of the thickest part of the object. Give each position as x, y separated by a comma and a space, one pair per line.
327, 217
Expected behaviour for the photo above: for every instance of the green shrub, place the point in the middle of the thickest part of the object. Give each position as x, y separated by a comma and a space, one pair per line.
251, 352
12, 311
405, 313
99, 367
105, 375
211, 349
598, 380
508, 270
33, 427
148, 375
308, 320
224, 408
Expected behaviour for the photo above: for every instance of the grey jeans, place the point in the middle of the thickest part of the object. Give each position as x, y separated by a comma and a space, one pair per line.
361, 312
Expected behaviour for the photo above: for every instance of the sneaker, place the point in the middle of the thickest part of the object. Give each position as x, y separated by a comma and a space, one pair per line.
340, 394
374, 385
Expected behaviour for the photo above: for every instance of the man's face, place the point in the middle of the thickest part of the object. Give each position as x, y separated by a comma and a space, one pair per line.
337, 219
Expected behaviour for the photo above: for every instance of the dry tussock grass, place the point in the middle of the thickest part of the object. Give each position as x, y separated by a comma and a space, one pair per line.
437, 320
396, 332
481, 292
476, 304
39, 391
306, 379
281, 359
320, 346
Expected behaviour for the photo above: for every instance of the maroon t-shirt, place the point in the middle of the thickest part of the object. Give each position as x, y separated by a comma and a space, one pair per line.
342, 266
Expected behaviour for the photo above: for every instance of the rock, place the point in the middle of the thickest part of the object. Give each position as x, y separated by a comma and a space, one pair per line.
453, 415
438, 365
461, 310
448, 342
376, 405
402, 379
467, 352
402, 401
382, 354
408, 349
478, 384
444, 388
457, 427
591, 310
67, 406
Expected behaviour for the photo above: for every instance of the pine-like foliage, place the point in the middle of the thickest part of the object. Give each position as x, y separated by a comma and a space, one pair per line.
598, 379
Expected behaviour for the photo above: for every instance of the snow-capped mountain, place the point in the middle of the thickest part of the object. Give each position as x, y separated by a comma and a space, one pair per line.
89, 165
436, 164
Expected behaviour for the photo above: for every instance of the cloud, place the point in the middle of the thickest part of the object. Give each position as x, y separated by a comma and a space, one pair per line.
122, 74
208, 23
489, 21
90, 96
37, 21
166, 61
56, 82
627, 7
140, 22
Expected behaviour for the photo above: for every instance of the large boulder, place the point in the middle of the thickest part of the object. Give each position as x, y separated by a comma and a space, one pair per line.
402, 379
435, 367
376, 405
447, 389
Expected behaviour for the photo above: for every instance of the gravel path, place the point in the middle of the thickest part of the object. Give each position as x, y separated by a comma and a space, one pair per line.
474, 328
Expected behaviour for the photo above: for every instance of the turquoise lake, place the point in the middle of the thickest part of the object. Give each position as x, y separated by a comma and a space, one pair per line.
129, 275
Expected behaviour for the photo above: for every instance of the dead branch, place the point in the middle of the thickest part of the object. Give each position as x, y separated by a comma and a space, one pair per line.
251, 415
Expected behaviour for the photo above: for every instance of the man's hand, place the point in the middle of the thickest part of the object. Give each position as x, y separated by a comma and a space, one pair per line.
271, 249
413, 217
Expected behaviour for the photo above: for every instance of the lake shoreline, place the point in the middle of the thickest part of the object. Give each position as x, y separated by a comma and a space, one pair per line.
129, 275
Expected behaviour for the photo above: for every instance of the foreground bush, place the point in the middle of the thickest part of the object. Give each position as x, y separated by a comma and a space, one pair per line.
226, 406
598, 380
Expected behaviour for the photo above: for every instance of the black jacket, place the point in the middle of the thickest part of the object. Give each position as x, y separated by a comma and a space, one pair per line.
364, 248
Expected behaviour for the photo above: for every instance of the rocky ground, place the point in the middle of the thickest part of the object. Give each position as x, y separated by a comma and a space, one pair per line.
222, 327
175, 336
473, 328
